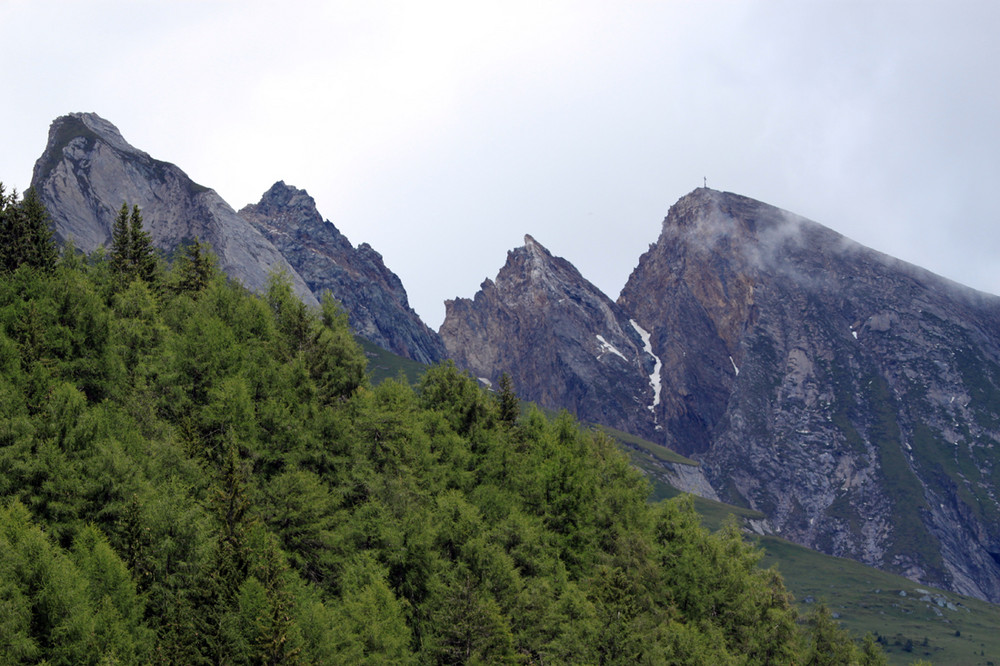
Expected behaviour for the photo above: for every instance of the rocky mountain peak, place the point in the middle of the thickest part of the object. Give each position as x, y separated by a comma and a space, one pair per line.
284, 203
535, 249
825, 384
83, 127
88, 170
373, 296
533, 276
850, 397
287, 211
563, 342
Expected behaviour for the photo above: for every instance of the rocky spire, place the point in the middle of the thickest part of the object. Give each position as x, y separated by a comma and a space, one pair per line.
373, 296
562, 341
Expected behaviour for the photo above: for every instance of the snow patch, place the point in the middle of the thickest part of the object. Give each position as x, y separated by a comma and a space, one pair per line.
734, 366
487, 383
608, 347
855, 334
654, 377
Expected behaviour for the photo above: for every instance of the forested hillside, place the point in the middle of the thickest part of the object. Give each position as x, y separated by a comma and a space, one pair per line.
190, 473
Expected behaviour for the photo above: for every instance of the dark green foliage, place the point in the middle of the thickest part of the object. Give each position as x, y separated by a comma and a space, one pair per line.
132, 253
25, 233
194, 268
79, 607
510, 408
198, 475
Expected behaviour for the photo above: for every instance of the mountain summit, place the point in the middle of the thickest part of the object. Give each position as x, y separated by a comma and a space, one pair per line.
88, 170
372, 295
563, 342
852, 398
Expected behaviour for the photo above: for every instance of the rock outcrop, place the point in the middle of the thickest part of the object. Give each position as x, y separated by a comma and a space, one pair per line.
88, 170
562, 341
371, 294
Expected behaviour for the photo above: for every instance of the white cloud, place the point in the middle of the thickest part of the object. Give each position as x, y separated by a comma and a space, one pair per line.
441, 132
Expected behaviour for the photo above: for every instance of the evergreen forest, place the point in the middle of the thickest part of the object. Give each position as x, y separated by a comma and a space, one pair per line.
194, 474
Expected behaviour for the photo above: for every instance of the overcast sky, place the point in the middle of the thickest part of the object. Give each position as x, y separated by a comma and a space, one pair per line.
441, 132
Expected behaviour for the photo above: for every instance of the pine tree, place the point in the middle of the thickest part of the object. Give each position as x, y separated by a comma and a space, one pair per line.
10, 231
510, 409
39, 250
195, 267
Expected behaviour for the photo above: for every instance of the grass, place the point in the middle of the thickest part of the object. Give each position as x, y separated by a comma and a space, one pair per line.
384, 364
646, 447
911, 627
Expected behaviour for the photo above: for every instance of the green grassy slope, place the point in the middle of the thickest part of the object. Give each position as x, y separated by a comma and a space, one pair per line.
914, 621
384, 364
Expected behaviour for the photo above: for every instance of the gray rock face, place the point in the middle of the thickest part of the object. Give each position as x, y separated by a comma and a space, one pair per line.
88, 170
372, 295
563, 342
852, 398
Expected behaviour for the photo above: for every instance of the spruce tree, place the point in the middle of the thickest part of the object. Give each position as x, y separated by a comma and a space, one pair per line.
10, 231
195, 267
132, 254
510, 408
25, 234
142, 257
39, 250
120, 245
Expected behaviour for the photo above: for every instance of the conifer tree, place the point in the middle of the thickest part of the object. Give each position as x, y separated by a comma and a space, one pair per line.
195, 267
25, 234
141, 254
120, 242
510, 409
39, 250
132, 254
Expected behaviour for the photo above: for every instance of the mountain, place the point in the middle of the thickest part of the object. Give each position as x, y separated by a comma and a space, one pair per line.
563, 342
88, 170
372, 295
851, 398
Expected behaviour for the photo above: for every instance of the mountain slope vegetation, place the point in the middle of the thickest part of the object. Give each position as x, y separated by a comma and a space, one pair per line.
191, 473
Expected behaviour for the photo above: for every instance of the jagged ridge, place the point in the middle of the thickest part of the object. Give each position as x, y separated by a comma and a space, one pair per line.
372, 295
88, 169
564, 343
